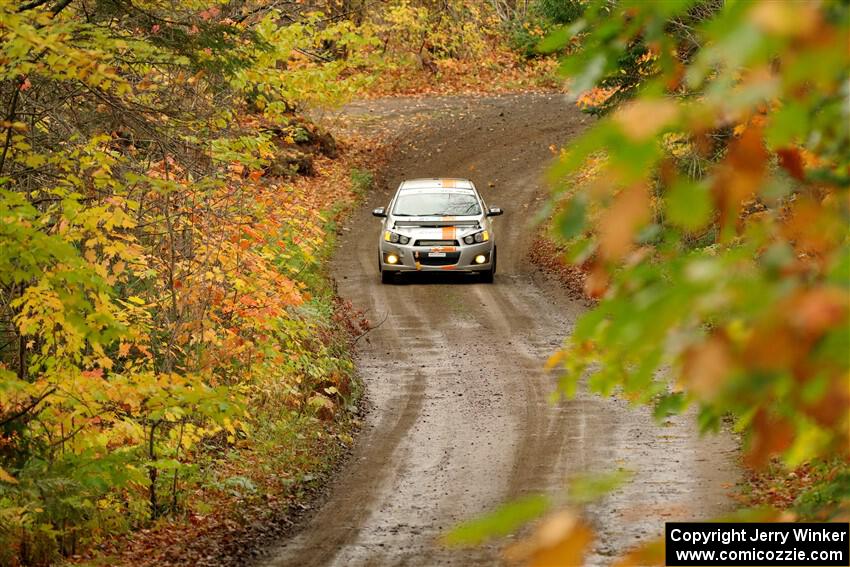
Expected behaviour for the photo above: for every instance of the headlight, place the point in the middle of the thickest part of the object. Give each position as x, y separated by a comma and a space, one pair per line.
482, 236
393, 237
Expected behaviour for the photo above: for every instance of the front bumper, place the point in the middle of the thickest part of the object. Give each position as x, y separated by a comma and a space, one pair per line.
425, 258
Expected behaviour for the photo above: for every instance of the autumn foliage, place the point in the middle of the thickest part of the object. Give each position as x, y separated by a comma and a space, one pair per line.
159, 276
715, 230
166, 210
709, 210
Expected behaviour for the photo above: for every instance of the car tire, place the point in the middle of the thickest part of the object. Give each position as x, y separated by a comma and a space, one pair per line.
489, 275
387, 277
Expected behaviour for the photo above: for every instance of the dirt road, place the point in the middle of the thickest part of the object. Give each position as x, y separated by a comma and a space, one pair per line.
459, 417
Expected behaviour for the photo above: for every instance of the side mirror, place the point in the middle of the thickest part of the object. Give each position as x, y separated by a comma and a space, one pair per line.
494, 212
379, 212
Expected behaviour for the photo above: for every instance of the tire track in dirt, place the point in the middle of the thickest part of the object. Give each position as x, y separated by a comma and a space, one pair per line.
460, 419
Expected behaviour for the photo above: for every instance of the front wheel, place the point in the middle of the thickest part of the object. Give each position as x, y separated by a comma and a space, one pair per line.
387, 276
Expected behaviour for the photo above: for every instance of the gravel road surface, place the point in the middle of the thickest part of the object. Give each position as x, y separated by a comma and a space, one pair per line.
460, 417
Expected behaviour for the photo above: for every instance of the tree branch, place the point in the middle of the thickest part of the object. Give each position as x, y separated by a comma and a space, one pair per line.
31, 5
27, 409
10, 118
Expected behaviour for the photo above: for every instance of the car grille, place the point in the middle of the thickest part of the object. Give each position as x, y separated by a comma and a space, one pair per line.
436, 243
447, 260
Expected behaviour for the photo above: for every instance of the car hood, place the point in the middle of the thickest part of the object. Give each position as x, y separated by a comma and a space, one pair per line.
436, 229
433, 222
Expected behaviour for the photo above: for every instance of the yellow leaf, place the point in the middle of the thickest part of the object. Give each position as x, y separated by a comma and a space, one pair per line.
136, 299
6, 477
555, 359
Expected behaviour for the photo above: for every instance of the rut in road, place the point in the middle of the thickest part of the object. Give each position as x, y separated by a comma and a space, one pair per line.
460, 419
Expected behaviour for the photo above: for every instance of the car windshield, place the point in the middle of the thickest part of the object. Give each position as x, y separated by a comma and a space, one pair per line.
438, 203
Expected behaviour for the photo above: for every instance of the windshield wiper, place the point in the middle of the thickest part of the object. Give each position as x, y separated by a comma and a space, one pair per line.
443, 214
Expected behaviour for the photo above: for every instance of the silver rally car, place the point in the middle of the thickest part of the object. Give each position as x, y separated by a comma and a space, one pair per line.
435, 225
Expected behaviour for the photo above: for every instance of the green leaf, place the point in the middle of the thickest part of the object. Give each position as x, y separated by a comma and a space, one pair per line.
557, 39
502, 521
593, 486
789, 124
669, 404
688, 204
571, 221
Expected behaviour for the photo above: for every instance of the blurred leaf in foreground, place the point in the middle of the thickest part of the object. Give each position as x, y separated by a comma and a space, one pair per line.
560, 539
503, 521
714, 231
590, 487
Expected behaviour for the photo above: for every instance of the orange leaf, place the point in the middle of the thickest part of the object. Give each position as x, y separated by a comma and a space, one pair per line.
561, 539
596, 283
707, 366
786, 18
651, 553
771, 435
740, 175
642, 119
818, 310
834, 404
629, 211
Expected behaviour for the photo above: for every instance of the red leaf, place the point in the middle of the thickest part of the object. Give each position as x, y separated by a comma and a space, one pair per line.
792, 162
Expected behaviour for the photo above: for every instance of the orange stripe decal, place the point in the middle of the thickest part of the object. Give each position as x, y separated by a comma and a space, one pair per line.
449, 232
449, 183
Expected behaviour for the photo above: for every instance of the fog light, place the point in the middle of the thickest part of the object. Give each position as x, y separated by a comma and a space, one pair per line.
480, 259
392, 259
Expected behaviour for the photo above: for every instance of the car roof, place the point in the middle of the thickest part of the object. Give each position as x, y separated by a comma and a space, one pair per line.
436, 183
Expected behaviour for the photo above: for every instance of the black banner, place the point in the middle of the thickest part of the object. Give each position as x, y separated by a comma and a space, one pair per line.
705, 543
